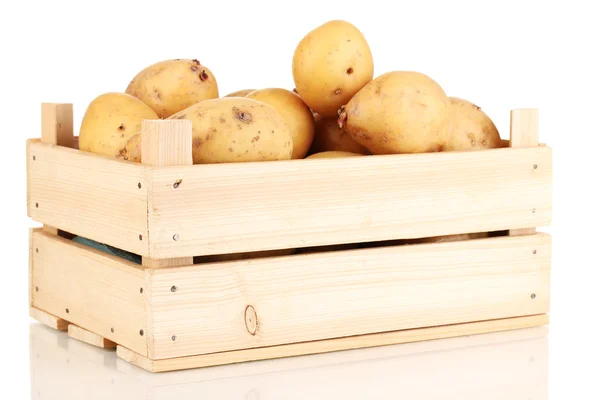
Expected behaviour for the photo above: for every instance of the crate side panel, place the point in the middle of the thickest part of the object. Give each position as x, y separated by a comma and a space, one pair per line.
246, 304
88, 195
98, 292
229, 208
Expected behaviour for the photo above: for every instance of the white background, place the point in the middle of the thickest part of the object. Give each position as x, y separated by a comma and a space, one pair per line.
499, 54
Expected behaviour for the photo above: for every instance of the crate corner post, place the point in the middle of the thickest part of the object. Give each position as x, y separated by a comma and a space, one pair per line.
164, 143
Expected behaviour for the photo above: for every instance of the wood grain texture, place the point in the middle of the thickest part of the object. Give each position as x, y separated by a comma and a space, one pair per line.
330, 345
318, 296
48, 319
97, 197
229, 208
524, 133
83, 335
165, 143
96, 291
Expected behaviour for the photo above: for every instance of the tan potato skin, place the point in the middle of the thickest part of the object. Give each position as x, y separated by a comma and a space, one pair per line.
110, 120
236, 129
471, 128
173, 85
133, 149
330, 137
399, 112
333, 154
240, 93
297, 115
330, 65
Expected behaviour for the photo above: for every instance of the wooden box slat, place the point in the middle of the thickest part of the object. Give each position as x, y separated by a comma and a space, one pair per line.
98, 292
229, 208
264, 302
89, 195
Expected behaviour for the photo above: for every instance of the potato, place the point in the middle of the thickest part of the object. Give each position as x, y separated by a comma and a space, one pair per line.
333, 154
240, 93
330, 137
236, 129
173, 85
297, 115
471, 128
330, 65
398, 112
110, 120
133, 149
243, 256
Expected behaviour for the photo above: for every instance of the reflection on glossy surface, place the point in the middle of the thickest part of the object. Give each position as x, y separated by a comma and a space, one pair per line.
508, 365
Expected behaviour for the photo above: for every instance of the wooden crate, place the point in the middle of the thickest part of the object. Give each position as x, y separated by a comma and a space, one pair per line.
165, 313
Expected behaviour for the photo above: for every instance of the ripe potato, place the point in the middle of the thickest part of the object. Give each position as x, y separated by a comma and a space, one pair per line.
173, 85
399, 112
471, 128
240, 93
133, 149
297, 115
237, 129
330, 137
110, 120
330, 65
333, 154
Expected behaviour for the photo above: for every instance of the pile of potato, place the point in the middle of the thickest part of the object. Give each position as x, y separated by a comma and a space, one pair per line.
337, 109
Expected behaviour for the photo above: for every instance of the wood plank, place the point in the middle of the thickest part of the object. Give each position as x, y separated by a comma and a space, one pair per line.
524, 133
98, 292
47, 319
97, 197
166, 143
88, 337
57, 129
243, 207
330, 345
264, 302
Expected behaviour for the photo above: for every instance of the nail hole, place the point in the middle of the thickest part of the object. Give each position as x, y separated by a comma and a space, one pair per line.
37, 205
173, 289
177, 183
533, 211
121, 127
534, 251
37, 250
534, 166
67, 310
37, 289
141, 332
33, 158
112, 330
140, 236
533, 296
350, 70
173, 338
139, 185
176, 237
141, 290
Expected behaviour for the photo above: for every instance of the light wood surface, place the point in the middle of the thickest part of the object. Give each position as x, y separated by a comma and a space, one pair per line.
318, 296
88, 337
524, 134
47, 319
57, 129
165, 143
96, 291
322, 346
241, 207
99, 198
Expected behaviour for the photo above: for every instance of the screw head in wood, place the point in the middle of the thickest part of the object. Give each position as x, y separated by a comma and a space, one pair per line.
176, 237
67, 310
33, 158
177, 183
112, 330
140, 237
534, 251
141, 332
533, 211
37, 205
534, 166
533, 296
173, 338
37, 250
37, 289
251, 320
141, 290
139, 185
173, 289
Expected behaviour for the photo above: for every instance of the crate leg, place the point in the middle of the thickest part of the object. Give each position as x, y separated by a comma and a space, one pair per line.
88, 337
57, 129
329, 345
523, 133
48, 319
166, 143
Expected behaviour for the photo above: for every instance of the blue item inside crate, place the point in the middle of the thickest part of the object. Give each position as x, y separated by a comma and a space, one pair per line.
109, 249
